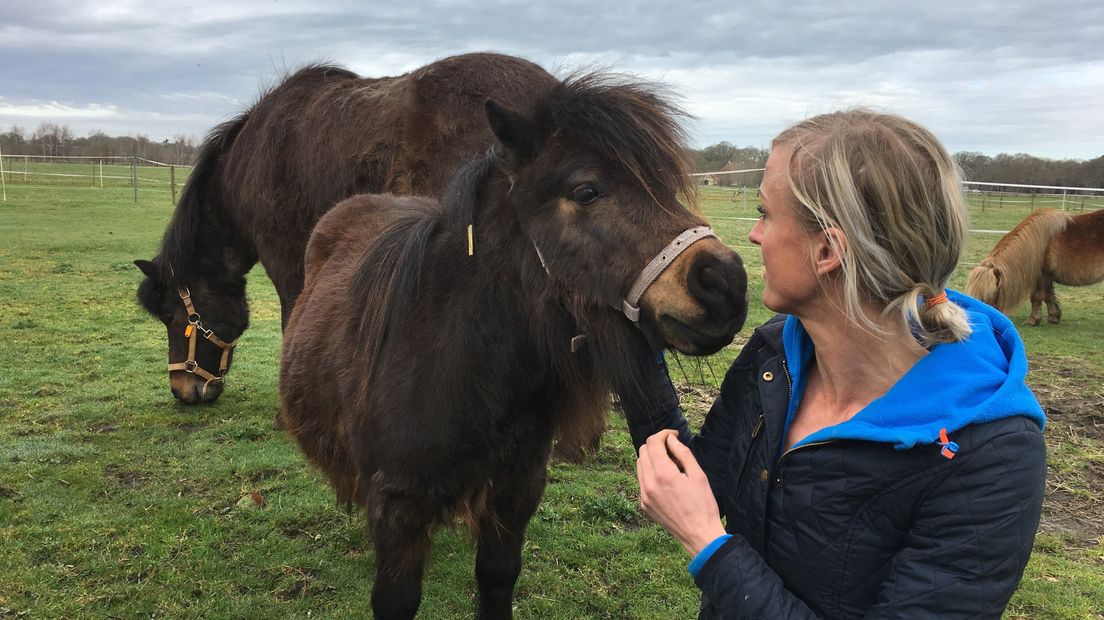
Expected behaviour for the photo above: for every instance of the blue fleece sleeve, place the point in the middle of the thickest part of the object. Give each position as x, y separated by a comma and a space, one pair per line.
703, 556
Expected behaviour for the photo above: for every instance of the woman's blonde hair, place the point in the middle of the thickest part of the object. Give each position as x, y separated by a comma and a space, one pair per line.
896, 194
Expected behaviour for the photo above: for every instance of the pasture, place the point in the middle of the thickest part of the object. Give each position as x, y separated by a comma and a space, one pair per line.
117, 502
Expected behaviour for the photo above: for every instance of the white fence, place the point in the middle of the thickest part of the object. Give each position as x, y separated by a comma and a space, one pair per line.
986, 194
138, 173
52, 172
979, 194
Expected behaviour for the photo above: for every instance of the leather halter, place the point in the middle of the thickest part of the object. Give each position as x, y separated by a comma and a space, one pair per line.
192, 331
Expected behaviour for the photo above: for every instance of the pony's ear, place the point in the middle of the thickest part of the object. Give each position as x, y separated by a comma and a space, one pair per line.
517, 133
997, 274
147, 268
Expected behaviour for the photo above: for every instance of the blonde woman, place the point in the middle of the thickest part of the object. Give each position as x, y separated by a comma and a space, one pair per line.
874, 451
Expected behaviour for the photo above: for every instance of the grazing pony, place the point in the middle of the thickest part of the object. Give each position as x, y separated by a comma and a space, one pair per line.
438, 347
1048, 246
263, 179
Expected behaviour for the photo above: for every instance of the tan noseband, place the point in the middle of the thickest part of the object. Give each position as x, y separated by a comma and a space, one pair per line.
192, 331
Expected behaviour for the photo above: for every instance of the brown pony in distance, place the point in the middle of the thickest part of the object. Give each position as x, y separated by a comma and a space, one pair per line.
428, 384
263, 179
1048, 246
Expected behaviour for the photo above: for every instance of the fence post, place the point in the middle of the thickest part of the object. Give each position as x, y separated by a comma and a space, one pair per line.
93, 175
134, 177
101, 174
3, 183
172, 181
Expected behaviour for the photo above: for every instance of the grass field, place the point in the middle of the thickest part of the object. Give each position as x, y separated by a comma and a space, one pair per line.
115, 502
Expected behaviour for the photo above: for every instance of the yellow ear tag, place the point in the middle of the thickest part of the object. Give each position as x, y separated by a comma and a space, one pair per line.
188, 330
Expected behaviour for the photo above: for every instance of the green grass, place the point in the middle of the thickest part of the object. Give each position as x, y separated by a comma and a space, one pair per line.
117, 502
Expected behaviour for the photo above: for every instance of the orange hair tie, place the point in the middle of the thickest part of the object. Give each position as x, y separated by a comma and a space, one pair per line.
935, 300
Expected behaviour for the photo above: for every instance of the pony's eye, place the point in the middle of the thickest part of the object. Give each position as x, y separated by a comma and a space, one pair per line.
585, 195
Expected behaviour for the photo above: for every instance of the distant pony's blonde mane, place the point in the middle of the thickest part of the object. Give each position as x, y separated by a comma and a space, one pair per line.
1007, 276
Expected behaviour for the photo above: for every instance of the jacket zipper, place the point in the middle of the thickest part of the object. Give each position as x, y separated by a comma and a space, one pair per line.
755, 434
778, 464
789, 382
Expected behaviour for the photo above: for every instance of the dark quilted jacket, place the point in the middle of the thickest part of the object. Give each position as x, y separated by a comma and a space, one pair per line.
845, 528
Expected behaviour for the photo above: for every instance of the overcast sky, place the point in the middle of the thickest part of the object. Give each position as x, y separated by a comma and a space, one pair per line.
989, 76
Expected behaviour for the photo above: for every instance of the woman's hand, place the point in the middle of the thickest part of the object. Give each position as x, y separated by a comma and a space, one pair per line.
675, 492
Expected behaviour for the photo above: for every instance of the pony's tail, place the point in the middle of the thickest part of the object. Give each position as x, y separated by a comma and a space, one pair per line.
178, 247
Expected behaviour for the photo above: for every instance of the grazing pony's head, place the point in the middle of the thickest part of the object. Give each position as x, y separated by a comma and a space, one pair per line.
203, 323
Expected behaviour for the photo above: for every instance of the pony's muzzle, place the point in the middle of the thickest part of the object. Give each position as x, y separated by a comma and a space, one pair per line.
192, 390
701, 302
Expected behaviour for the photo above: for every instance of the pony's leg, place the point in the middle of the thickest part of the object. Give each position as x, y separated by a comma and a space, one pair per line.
1054, 310
1038, 297
401, 527
501, 534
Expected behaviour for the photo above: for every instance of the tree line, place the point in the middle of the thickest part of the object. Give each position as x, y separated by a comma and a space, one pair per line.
59, 140
56, 140
1018, 168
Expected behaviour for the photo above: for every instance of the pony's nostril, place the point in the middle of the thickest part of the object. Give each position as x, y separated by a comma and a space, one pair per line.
176, 394
711, 279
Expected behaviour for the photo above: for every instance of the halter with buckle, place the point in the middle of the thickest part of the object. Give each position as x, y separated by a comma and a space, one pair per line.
192, 331
630, 304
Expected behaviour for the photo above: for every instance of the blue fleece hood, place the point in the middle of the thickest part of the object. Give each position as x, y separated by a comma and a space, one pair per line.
956, 384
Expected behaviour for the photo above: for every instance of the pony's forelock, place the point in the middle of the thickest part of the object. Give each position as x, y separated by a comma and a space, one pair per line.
632, 122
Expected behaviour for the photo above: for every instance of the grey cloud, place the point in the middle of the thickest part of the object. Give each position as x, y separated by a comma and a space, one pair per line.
987, 75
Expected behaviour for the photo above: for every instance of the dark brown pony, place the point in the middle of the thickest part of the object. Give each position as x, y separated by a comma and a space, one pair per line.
428, 383
1048, 246
263, 179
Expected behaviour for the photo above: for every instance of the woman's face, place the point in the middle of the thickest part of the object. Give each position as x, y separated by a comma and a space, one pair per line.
788, 249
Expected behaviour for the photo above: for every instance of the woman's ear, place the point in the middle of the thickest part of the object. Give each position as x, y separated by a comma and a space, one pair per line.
829, 253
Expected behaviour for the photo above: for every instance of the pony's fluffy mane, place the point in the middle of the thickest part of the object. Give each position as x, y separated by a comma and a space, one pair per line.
1007, 276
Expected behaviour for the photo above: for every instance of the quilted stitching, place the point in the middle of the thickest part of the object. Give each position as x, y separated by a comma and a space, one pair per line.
859, 529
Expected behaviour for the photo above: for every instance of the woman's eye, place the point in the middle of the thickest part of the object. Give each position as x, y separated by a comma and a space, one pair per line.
762, 213
585, 195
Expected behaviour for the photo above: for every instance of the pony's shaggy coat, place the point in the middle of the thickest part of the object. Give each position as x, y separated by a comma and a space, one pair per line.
1048, 246
427, 384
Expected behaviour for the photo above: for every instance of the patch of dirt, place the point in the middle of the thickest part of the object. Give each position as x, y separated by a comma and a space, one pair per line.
125, 478
298, 583
102, 428
189, 427
266, 474
1073, 398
